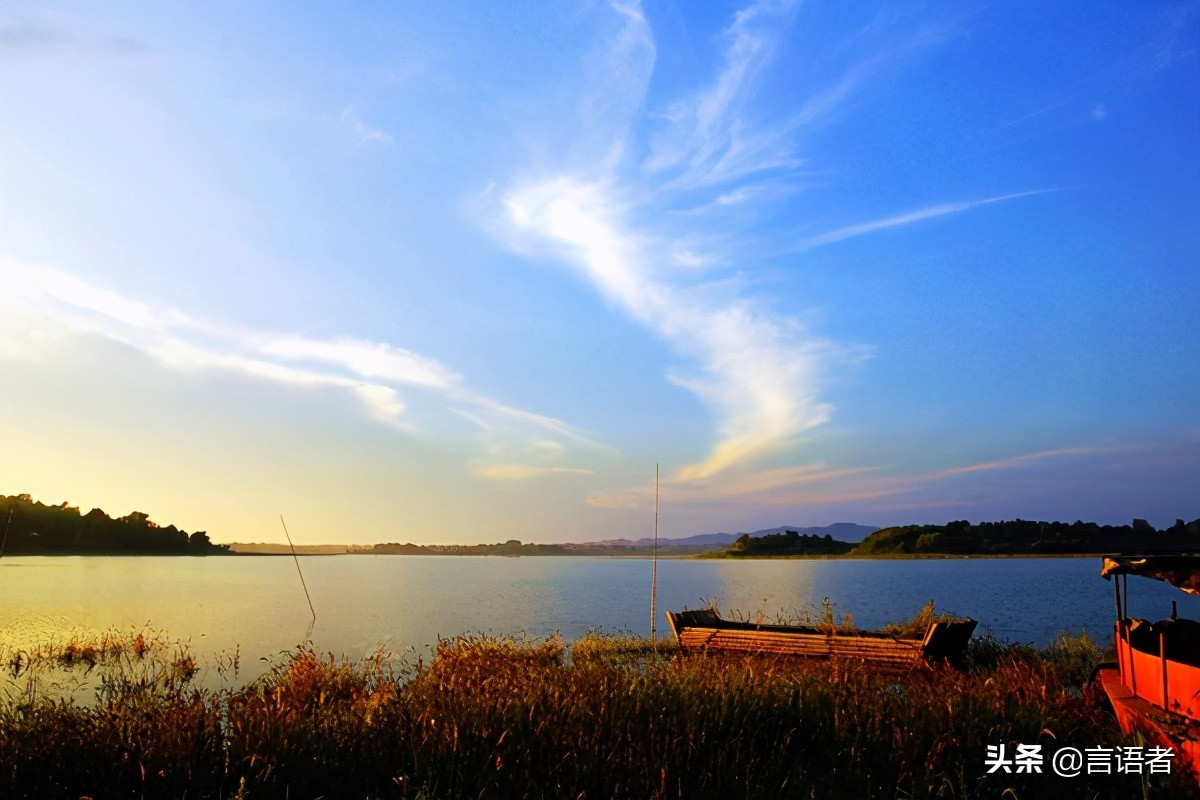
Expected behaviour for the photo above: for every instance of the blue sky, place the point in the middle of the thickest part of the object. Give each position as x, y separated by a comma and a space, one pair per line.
466, 272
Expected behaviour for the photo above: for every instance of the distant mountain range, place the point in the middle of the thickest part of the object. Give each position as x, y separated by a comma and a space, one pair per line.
843, 531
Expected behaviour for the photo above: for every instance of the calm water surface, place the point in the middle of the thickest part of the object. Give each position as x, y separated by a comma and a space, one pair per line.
405, 603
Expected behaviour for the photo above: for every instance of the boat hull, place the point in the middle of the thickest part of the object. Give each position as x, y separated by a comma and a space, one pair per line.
1158, 727
704, 631
1154, 687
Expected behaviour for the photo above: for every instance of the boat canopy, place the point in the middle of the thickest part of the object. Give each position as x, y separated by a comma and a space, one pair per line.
1181, 571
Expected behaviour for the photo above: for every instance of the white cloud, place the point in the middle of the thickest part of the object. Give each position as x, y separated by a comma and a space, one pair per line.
758, 371
690, 259
368, 359
521, 472
29, 282
512, 457
383, 401
547, 448
361, 131
739, 195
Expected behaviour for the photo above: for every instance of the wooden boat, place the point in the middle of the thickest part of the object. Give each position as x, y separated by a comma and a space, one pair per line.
704, 631
1154, 686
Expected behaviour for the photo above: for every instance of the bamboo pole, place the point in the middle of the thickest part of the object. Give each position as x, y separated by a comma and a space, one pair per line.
298, 572
654, 568
4, 543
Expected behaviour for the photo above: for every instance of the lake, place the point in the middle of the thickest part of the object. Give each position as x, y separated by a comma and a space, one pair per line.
404, 603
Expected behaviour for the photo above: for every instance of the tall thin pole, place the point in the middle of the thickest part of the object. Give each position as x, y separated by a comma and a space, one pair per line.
6, 525
298, 572
654, 567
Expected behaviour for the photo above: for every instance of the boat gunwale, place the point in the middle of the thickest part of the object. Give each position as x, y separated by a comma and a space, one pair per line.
814, 631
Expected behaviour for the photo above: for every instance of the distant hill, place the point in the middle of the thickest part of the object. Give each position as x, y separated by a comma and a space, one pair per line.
842, 531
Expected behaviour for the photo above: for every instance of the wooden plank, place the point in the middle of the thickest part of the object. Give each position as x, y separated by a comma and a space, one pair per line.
824, 648
704, 632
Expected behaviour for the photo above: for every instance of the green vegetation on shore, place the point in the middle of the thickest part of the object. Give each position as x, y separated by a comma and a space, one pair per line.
961, 538
788, 543
1017, 537
28, 527
607, 717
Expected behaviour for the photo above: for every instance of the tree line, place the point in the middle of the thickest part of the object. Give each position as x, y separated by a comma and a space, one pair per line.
28, 527
1006, 537
513, 547
788, 543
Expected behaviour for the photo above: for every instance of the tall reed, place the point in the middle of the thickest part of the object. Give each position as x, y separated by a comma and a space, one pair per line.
608, 717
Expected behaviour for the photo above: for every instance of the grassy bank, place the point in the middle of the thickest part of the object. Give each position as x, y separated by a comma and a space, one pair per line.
608, 717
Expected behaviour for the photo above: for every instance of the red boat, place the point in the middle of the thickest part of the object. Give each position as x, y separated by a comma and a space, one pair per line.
1155, 685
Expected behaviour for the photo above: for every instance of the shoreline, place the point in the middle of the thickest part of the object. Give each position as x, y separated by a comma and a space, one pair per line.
709, 556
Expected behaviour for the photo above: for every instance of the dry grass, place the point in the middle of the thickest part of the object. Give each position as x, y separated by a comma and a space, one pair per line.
611, 717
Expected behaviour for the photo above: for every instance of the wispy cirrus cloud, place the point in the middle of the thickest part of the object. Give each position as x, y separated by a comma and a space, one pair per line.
647, 222
752, 486
721, 134
708, 138
909, 218
876, 487
1014, 462
758, 370
814, 485
383, 402
889, 486
371, 372
528, 419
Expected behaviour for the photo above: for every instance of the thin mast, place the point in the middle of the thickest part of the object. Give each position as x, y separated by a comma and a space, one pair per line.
654, 567
4, 542
298, 572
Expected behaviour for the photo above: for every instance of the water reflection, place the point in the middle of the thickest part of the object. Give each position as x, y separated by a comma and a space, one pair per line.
783, 588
